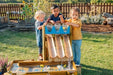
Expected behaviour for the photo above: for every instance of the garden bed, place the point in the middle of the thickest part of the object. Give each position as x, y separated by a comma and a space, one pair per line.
3, 22
97, 28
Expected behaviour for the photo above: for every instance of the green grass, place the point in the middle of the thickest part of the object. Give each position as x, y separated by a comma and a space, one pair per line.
96, 52
18, 45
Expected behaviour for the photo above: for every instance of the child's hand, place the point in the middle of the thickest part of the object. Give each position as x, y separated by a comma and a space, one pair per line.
39, 28
58, 22
60, 16
52, 21
45, 23
68, 23
49, 35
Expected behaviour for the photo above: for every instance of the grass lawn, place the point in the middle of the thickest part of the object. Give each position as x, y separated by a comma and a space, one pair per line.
96, 52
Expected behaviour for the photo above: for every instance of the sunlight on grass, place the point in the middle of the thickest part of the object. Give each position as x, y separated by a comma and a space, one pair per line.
96, 52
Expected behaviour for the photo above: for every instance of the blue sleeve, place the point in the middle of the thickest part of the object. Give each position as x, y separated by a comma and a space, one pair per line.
51, 17
37, 24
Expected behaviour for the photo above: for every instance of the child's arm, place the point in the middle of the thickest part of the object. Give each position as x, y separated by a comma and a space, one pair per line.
61, 18
72, 24
51, 21
40, 27
58, 21
37, 25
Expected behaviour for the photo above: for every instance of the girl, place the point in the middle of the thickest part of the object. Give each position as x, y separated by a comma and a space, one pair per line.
76, 34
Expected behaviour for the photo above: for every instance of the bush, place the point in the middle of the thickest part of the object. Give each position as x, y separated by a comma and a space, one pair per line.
97, 19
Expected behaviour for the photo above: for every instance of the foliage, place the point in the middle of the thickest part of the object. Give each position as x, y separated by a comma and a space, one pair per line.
27, 10
93, 17
72, 1
58, 1
44, 5
94, 1
14, 1
109, 1
97, 19
102, 1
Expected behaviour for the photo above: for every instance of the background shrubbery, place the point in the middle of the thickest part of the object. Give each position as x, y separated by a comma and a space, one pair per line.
58, 1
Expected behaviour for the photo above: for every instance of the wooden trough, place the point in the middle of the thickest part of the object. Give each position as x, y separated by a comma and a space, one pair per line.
57, 48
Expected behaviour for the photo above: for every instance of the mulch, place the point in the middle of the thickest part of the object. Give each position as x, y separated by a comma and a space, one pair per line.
97, 28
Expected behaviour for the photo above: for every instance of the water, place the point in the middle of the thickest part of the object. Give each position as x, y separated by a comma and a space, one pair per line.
69, 64
61, 62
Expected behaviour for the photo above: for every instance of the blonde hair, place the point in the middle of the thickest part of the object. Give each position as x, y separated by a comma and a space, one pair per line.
76, 9
38, 13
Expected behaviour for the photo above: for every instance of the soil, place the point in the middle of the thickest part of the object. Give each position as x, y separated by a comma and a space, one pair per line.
97, 28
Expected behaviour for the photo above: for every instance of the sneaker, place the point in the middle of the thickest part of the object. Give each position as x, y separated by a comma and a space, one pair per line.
40, 58
77, 65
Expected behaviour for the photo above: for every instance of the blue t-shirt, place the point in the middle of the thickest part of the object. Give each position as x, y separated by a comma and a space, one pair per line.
52, 17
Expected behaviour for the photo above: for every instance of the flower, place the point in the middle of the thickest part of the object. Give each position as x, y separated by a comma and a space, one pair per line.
23, 1
65, 66
42, 65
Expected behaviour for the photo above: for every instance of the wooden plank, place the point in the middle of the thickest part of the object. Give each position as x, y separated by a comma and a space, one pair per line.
59, 46
34, 63
45, 50
67, 47
51, 47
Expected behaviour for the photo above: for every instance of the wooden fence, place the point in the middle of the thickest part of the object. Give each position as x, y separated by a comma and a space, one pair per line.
85, 8
12, 9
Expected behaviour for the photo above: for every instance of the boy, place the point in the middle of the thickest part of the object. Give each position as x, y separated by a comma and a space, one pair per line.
56, 16
39, 16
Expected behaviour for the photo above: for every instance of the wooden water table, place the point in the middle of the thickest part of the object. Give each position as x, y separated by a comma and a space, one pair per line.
57, 55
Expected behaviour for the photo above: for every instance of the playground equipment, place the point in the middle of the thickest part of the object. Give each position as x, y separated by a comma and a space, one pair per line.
57, 55
59, 47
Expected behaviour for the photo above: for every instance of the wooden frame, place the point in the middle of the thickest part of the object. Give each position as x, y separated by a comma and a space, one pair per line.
23, 63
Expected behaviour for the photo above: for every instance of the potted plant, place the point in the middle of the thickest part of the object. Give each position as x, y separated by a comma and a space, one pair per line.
3, 65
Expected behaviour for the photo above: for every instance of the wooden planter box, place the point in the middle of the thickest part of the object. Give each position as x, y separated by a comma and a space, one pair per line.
26, 64
21, 27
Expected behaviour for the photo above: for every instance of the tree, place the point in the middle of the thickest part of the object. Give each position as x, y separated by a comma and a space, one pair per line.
72, 1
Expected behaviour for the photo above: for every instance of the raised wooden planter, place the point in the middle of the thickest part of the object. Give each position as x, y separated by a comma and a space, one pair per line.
14, 25
20, 25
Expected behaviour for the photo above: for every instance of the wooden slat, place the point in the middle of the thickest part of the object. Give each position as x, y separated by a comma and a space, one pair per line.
51, 47
59, 46
34, 63
67, 47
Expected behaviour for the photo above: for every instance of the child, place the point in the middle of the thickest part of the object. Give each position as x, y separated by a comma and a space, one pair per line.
39, 16
56, 16
75, 24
